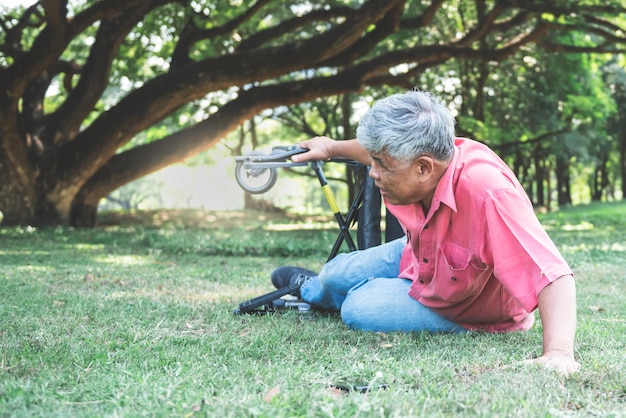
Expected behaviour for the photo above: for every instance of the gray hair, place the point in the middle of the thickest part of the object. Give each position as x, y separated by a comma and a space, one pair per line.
407, 125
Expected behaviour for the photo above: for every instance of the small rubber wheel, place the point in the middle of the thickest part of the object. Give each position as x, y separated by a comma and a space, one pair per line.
255, 181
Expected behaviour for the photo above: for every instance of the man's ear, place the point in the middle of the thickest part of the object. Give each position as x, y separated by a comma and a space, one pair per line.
425, 165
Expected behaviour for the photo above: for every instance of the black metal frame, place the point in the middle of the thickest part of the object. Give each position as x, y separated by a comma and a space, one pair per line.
255, 164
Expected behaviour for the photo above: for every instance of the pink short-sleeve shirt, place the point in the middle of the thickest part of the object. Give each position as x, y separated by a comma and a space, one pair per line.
480, 256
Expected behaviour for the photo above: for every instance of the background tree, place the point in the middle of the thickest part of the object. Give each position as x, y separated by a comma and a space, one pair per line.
84, 85
615, 77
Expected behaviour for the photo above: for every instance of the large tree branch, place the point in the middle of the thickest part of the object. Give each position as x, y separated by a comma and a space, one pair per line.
611, 40
385, 27
141, 109
13, 34
108, 9
142, 160
538, 138
64, 123
162, 95
486, 24
192, 34
265, 36
564, 8
148, 158
56, 35
94, 146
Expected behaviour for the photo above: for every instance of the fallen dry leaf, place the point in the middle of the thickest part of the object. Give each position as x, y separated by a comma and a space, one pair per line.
271, 394
334, 391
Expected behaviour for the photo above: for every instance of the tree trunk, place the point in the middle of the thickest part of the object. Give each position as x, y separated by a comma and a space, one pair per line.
17, 201
564, 196
83, 215
540, 175
521, 169
622, 163
599, 181
548, 182
248, 201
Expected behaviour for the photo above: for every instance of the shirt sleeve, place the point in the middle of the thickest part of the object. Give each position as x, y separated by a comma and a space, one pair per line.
523, 256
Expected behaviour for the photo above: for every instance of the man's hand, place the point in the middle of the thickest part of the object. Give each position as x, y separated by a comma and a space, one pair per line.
319, 149
322, 148
562, 363
557, 307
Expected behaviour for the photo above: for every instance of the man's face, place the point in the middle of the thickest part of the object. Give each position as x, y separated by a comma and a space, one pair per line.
402, 183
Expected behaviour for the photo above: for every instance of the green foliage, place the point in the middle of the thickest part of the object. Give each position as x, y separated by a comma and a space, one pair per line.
135, 318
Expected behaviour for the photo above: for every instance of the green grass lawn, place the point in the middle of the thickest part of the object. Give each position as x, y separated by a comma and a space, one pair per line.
134, 318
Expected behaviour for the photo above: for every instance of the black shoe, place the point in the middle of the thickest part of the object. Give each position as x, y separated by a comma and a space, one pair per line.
289, 275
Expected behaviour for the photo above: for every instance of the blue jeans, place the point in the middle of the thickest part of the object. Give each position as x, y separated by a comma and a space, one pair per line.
364, 285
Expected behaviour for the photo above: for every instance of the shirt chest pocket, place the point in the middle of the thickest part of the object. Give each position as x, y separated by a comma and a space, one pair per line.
456, 278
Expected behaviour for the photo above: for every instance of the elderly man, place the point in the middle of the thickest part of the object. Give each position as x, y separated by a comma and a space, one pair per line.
474, 257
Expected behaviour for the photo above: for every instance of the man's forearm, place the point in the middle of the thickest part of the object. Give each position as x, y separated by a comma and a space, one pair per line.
557, 307
352, 149
323, 148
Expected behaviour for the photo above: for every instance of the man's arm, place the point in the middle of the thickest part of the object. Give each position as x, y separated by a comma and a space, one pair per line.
322, 148
557, 307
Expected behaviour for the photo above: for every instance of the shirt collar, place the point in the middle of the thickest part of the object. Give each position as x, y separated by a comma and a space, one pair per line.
444, 192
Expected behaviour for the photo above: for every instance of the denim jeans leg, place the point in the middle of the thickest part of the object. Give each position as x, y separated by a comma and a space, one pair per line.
347, 270
384, 304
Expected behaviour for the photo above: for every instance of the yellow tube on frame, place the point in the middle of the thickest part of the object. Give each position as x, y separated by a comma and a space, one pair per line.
328, 193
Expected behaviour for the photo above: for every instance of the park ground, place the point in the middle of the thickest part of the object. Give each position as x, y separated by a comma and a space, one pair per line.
135, 318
